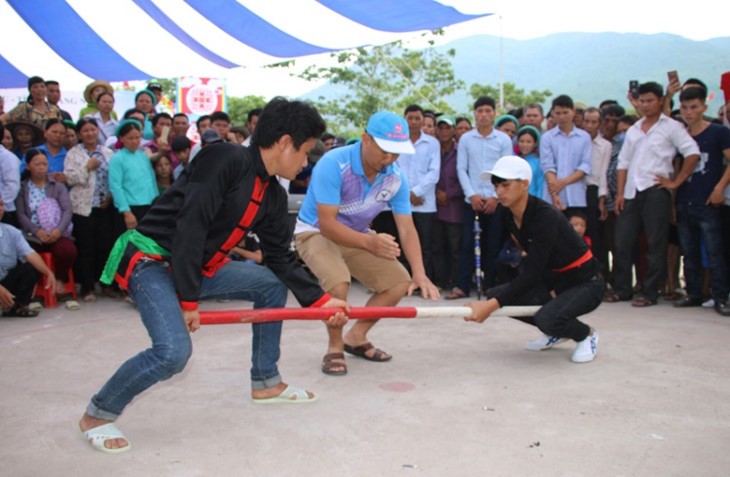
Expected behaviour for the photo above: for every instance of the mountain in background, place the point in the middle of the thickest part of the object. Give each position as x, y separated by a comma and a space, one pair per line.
590, 67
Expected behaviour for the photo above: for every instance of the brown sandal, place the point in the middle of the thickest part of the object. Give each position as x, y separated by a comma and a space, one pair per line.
673, 296
455, 294
611, 297
19, 311
329, 366
643, 302
379, 355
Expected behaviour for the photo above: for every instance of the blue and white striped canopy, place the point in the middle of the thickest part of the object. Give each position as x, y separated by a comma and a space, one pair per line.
118, 40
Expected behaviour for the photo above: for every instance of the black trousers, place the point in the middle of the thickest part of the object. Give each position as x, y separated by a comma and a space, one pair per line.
95, 237
384, 223
20, 282
491, 240
594, 227
11, 218
446, 251
559, 316
120, 226
424, 223
651, 208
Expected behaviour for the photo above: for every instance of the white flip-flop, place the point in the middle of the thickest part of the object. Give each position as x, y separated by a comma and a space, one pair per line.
99, 435
291, 395
73, 305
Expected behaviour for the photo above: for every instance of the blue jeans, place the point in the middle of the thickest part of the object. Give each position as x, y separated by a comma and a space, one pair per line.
152, 288
696, 221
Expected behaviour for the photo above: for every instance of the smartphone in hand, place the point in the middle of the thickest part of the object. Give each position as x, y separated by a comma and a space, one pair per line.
165, 134
634, 88
673, 76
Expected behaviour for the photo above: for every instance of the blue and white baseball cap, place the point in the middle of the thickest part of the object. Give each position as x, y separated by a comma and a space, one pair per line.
390, 132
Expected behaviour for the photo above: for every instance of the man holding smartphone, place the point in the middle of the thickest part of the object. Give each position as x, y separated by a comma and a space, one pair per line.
634, 89
159, 145
675, 87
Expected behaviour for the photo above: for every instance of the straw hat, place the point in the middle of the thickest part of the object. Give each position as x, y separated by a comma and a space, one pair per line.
92, 86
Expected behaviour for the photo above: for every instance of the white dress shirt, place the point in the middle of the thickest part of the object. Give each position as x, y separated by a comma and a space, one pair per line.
648, 155
422, 170
601, 156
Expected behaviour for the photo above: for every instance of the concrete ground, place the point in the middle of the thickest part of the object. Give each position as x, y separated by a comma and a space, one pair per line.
458, 399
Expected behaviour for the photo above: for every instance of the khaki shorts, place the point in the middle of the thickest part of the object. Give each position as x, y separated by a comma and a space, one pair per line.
333, 264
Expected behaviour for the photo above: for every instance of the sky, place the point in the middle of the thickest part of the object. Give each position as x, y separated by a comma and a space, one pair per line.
528, 20
510, 19
525, 20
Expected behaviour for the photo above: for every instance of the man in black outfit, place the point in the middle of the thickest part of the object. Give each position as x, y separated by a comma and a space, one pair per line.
178, 255
560, 272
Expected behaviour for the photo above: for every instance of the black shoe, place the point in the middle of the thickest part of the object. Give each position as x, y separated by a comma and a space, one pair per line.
722, 308
688, 301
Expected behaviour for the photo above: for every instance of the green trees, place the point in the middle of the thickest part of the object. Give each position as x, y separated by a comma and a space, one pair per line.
238, 108
390, 77
513, 97
169, 88
393, 76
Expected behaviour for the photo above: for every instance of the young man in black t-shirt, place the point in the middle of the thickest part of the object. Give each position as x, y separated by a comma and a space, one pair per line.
699, 201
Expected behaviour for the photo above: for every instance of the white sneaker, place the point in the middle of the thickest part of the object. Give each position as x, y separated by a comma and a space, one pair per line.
543, 343
586, 350
709, 303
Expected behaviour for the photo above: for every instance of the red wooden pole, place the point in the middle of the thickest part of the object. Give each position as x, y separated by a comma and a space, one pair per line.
266, 315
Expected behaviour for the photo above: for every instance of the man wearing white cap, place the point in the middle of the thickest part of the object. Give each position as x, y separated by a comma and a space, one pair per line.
349, 187
560, 272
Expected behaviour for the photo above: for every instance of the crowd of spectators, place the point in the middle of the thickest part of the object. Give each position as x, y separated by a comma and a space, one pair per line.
647, 184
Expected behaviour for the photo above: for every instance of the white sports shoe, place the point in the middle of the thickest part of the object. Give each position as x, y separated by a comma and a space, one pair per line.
586, 350
543, 343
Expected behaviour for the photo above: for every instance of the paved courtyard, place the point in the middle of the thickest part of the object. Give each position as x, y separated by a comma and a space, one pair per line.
458, 399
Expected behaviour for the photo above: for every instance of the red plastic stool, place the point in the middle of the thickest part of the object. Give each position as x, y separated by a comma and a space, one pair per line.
50, 300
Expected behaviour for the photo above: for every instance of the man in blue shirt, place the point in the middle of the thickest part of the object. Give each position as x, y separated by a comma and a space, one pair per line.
350, 185
479, 149
565, 158
9, 181
533, 115
19, 269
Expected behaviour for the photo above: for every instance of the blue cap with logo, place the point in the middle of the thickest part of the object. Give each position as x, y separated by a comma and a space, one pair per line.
390, 132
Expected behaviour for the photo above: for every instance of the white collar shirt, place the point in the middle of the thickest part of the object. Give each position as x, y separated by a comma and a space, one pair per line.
647, 155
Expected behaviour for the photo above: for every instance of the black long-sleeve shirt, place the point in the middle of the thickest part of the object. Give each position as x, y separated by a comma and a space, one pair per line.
198, 217
551, 244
